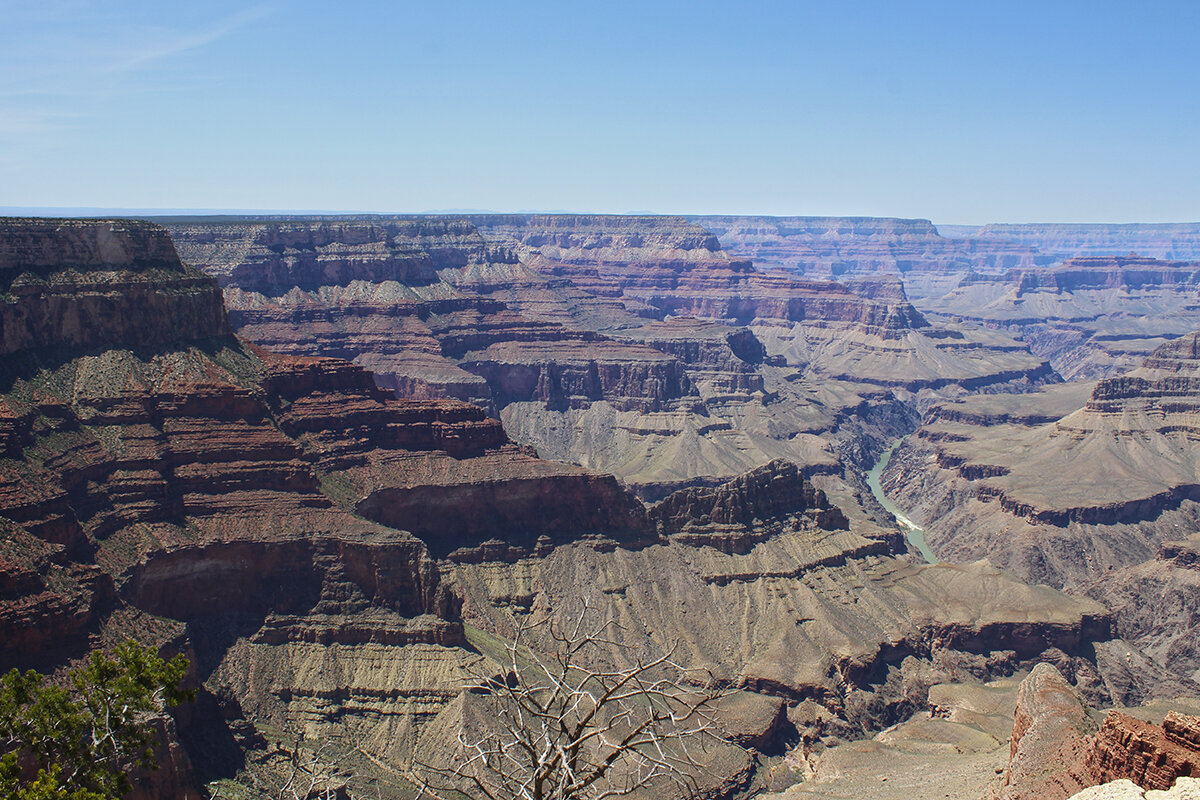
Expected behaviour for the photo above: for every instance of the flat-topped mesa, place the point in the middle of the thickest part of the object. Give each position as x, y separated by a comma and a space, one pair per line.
1081, 274
828, 246
743, 295
597, 239
750, 508
1162, 395
272, 255
1109, 272
99, 283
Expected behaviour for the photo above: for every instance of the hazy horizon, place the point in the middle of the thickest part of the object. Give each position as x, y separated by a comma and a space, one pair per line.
98, 212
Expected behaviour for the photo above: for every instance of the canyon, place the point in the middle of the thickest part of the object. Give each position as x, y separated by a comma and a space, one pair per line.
340, 461
632, 345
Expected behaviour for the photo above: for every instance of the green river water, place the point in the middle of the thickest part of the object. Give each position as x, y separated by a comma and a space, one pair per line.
915, 536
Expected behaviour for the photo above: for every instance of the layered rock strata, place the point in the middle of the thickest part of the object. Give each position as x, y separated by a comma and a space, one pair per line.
1058, 750
325, 552
198, 494
567, 328
852, 246
1090, 317
1064, 240
123, 277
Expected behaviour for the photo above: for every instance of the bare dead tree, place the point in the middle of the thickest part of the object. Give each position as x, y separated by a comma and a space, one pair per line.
314, 774
556, 728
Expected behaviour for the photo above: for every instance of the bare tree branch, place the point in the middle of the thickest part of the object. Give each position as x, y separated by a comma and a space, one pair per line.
557, 727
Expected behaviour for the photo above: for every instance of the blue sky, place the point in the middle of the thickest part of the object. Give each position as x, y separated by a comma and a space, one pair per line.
959, 112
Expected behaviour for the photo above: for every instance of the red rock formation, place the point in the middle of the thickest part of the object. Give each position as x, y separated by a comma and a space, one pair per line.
1151, 756
1048, 758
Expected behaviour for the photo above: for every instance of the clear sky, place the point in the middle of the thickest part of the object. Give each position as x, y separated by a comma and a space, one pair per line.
964, 111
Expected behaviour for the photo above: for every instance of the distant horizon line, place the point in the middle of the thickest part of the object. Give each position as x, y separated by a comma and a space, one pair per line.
136, 211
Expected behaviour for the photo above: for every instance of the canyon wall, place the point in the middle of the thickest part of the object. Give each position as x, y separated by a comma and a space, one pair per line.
1095, 491
1090, 317
634, 345
325, 552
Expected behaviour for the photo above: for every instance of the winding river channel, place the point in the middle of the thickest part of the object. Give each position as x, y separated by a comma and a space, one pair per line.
915, 535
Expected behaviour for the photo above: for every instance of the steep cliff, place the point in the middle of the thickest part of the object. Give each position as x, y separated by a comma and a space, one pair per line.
120, 276
272, 255
1091, 316
1050, 744
1057, 749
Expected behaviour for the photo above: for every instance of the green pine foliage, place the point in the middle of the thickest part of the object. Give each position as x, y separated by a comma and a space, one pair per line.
83, 737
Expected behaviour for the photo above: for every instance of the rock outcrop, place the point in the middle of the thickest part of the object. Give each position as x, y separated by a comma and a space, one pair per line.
120, 280
749, 508
1058, 751
1152, 756
935, 260
1050, 744
1125, 789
